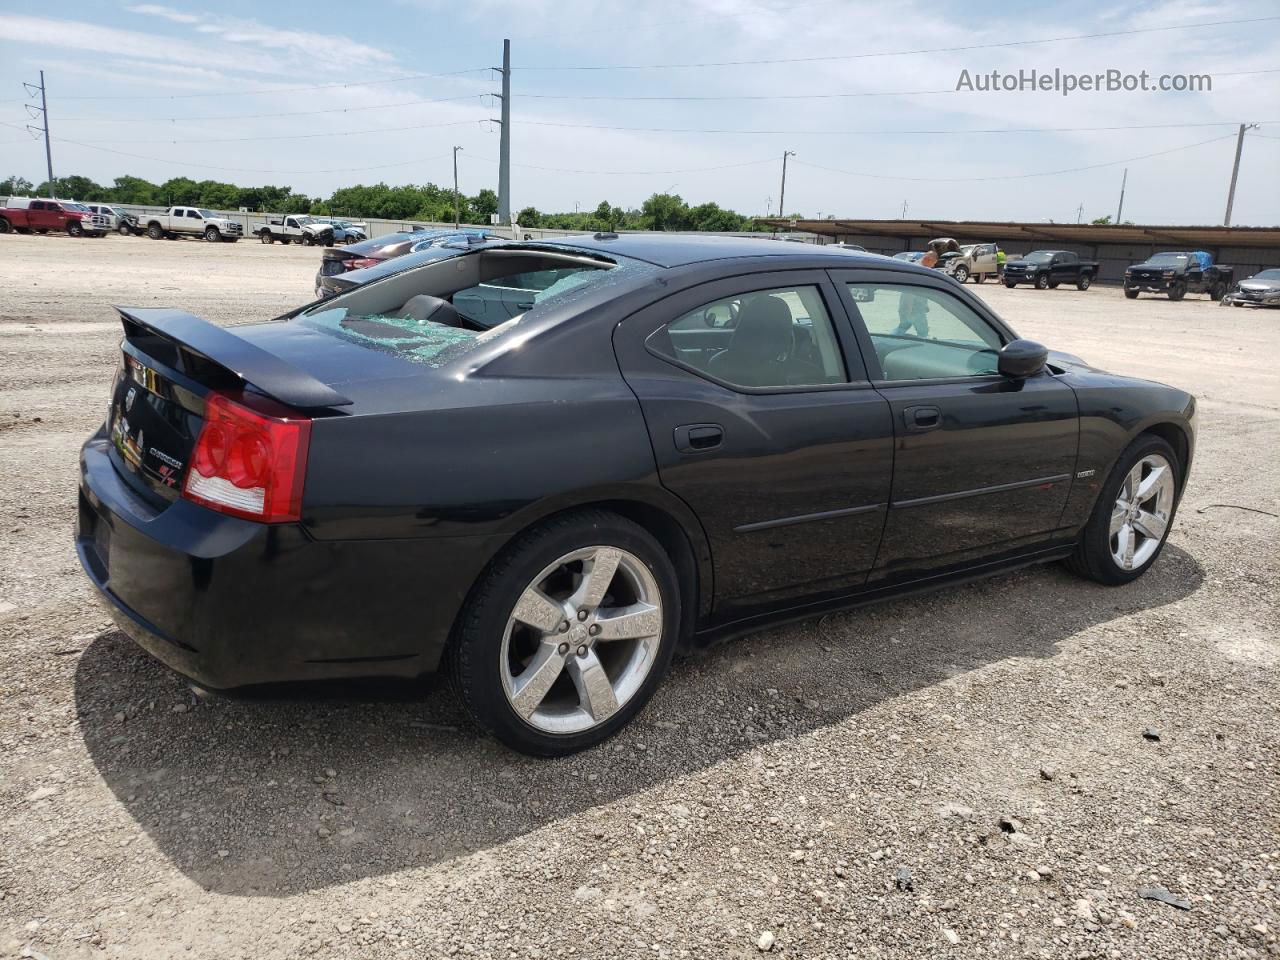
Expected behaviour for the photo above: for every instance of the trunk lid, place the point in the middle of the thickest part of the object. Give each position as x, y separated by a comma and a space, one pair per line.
169, 363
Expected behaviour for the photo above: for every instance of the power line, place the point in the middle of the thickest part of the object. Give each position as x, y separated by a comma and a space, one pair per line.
633, 173
794, 96
208, 166
1016, 176
902, 53
300, 136
271, 90
886, 133
264, 116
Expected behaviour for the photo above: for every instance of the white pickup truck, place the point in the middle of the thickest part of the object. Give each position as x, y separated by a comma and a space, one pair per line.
191, 221
299, 228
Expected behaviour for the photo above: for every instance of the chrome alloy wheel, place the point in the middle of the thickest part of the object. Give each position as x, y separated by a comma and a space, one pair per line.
581, 640
1141, 512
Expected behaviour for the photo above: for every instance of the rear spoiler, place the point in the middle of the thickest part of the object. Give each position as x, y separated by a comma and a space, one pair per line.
217, 345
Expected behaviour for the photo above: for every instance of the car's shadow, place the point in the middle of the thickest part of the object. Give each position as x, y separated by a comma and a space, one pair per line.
302, 787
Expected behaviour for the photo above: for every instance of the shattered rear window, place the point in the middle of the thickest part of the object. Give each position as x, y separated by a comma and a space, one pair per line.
433, 344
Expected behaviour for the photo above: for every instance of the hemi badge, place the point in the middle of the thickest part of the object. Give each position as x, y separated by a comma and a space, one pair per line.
1084, 473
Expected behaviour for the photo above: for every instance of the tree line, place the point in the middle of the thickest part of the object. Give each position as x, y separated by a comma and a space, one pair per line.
662, 211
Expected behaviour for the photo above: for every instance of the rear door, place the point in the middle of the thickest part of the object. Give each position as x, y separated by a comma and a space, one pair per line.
984, 463
763, 421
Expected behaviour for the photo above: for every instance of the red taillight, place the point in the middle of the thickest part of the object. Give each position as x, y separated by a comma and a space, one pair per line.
249, 463
359, 263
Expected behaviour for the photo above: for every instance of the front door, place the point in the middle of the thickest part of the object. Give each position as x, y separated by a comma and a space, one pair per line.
984, 463
763, 421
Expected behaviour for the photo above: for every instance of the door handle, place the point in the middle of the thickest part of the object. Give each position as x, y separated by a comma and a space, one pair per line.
920, 419
698, 437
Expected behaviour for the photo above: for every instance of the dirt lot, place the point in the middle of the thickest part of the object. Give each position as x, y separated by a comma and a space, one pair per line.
988, 739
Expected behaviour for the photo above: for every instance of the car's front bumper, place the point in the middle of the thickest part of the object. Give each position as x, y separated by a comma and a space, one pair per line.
229, 602
1253, 300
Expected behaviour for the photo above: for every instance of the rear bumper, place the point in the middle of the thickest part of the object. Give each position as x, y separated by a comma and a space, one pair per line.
228, 602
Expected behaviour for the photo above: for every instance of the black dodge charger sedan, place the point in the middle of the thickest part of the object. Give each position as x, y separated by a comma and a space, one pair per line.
543, 467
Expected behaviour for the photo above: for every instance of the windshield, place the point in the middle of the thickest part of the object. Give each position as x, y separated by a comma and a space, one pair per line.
1169, 259
1267, 275
1039, 256
76, 207
208, 214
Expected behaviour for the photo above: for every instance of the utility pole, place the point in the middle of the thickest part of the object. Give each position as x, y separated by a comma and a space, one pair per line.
44, 128
1235, 171
1079, 212
457, 201
1123, 181
904, 209
504, 145
782, 196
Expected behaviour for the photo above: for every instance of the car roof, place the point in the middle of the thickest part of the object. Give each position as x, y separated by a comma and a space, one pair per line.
678, 249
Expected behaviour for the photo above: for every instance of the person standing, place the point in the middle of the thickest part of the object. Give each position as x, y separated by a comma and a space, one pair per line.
1000, 263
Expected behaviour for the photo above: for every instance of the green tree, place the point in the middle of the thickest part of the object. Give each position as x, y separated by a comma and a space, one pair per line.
179, 191
665, 211
485, 203
74, 187
1102, 221
135, 190
16, 186
529, 217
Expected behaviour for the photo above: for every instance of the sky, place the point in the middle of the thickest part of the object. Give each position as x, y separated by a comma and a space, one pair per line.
318, 95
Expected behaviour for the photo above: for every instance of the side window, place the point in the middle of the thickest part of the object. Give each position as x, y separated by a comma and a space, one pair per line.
920, 333
780, 337
36, 205
193, 214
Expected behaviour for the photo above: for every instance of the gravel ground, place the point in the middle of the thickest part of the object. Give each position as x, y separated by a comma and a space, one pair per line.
990, 771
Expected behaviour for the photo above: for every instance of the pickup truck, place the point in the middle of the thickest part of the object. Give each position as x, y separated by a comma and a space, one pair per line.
1178, 274
1046, 269
191, 221
299, 228
27, 214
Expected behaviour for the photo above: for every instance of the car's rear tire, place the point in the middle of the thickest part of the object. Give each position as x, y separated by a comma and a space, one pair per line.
567, 634
1217, 292
154, 232
980, 278
1125, 534
1042, 282
1083, 282
1131, 293
1177, 290
5, 226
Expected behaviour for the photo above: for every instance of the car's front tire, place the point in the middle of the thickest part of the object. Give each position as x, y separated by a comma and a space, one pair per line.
1133, 515
1131, 293
1042, 282
211, 235
566, 635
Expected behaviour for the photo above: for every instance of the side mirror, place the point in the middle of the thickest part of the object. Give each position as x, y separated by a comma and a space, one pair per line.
1022, 358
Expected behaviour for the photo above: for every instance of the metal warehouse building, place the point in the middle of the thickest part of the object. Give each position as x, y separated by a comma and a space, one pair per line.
1248, 249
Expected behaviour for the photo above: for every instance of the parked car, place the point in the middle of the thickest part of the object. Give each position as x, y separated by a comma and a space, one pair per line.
192, 222
345, 231
30, 214
911, 256
1177, 274
424, 251
976, 260
1046, 269
298, 228
115, 218
680, 438
1260, 290
368, 253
